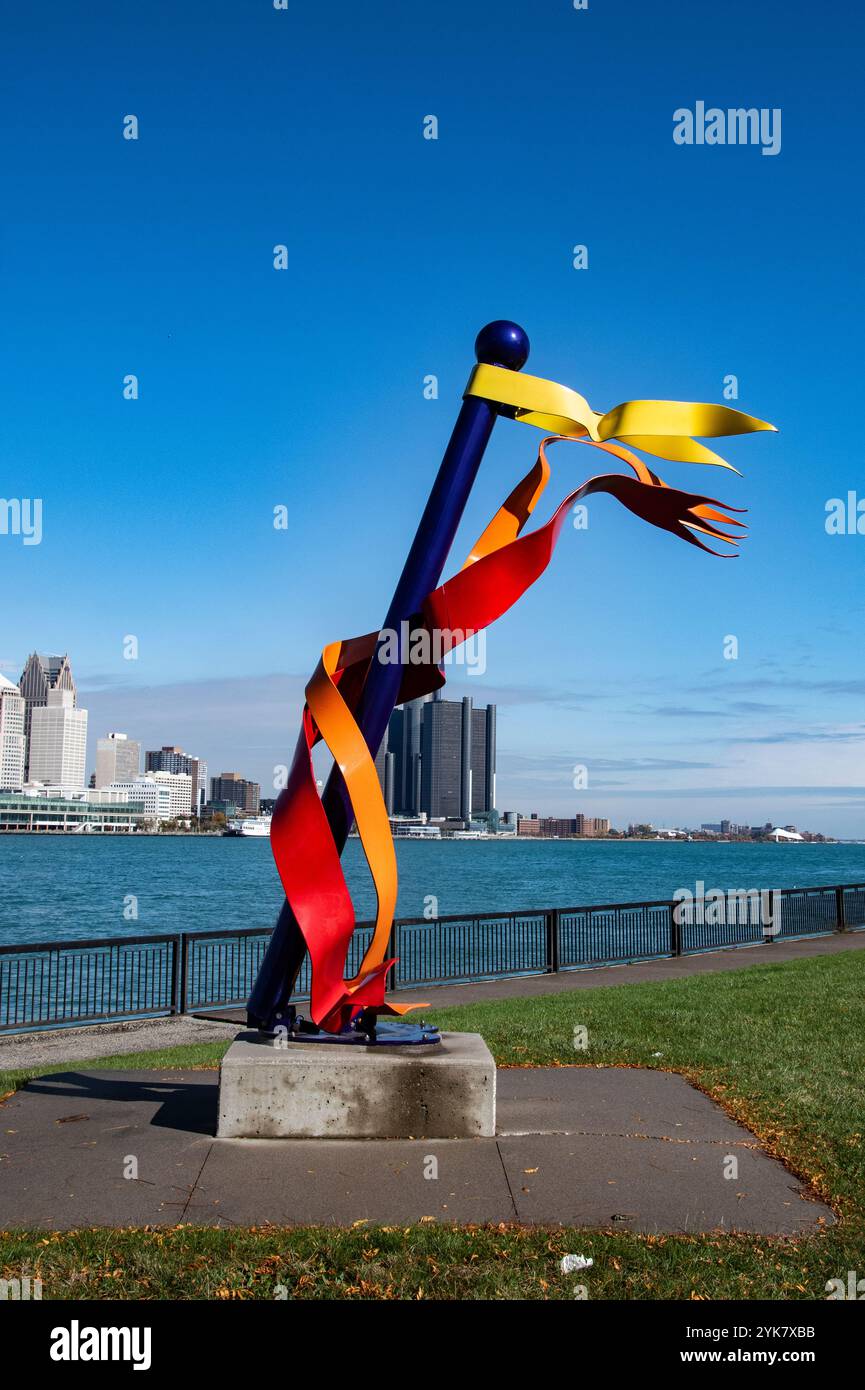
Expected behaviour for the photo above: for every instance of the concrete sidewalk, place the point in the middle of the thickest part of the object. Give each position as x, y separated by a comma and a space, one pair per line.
56, 1048
608, 1147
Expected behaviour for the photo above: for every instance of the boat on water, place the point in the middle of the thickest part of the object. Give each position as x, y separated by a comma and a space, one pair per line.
253, 828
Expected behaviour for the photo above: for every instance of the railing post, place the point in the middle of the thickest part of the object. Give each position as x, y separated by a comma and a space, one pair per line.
392, 950
184, 965
840, 918
675, 931
553, 941
175, 972
773, 926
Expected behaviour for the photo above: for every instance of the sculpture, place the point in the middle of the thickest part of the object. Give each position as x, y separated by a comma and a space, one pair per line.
352, 692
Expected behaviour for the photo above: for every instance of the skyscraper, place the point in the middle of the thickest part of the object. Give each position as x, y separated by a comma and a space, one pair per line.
483, 756
444, 758
42, 672
12, 741
58, 741
404, 742
384, 766
118, 759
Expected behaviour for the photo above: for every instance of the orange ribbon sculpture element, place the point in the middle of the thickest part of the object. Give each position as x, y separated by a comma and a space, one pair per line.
500, 567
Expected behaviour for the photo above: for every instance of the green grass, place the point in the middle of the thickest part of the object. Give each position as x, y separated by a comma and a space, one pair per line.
407, 1262
782, 1048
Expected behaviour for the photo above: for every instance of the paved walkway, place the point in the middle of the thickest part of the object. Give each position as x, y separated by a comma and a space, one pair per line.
108, 1039
63, 1045
606, 1147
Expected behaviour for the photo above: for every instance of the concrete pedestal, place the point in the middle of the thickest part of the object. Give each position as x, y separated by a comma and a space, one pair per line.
330, 1091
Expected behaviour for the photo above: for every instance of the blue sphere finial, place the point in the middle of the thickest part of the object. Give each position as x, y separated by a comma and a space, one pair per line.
502, 344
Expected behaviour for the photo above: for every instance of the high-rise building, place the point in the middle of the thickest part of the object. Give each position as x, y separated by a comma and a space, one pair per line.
231, 787
198, 773
483, 754
12, 741
58, 741
442, 761
118, 759
439, 758
170, 758
42, 672
403, 740
384, 766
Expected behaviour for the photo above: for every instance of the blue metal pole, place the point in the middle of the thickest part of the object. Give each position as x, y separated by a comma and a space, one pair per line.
503, 344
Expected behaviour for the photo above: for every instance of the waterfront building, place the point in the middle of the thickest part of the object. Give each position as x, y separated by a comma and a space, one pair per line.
57, 748
229, 809
46, 809
230, 786
591, 826
414, 828
153, 796
12, 740
562, 827
118, 759
179, 786
529, 826
42, 672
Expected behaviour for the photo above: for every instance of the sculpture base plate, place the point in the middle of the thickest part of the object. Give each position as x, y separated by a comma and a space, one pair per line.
368, 1030
272, 1089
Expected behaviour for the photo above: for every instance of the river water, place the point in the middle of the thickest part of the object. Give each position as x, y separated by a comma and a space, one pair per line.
55, 888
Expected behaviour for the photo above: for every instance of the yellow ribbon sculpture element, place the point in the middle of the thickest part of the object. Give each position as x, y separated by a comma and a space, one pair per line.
661, 428
500, 567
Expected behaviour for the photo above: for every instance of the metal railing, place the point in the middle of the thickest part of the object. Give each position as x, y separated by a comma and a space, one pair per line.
88, 981
56, 984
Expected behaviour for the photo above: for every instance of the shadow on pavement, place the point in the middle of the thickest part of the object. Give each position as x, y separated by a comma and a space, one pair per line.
189, 1106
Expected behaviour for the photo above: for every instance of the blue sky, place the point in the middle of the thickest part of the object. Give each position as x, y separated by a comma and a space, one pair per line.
304, 387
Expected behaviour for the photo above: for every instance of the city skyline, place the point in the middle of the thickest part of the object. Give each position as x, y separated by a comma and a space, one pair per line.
601, 799
554, 801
